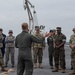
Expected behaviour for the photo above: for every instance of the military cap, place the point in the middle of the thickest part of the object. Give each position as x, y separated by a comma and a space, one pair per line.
37, 27
10, 31
73, 29
1, 29
58, 28
54, 30
51, 31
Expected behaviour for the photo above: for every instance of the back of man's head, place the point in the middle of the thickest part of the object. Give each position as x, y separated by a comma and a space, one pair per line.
24, 26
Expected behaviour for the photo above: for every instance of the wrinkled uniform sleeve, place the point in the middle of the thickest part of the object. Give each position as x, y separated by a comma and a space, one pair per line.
3, 41
48, 40
16, 42
44, 42
6, 39
64, 38
10, 40
13, 39
70, 41
37, 40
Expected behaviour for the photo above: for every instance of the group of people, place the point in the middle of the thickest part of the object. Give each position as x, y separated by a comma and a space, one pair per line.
56, 42
25, 42
7, 46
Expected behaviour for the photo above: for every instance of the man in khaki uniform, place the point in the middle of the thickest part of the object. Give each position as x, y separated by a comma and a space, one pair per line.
72, 45
38, 48
10, 48
1, 45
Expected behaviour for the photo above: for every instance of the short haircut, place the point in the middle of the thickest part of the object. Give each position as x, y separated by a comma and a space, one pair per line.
1, 29
24, 26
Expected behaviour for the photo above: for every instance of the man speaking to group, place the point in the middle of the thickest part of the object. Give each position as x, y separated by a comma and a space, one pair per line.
23, 42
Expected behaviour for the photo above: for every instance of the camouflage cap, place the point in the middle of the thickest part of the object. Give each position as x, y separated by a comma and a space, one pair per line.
10, 31
58, 28
37, 28
73, 29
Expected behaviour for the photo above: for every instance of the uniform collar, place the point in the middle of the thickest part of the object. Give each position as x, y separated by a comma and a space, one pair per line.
24, 31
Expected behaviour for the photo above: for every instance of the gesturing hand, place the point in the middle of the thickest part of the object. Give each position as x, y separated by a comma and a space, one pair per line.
46, 34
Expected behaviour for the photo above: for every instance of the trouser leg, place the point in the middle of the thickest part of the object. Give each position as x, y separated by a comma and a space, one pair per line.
12, 51
56, 58
7, 55
40, 54
62, 58
51, 58
35, 51
3, 52
20, 66
73, 63
1, 62
29, 67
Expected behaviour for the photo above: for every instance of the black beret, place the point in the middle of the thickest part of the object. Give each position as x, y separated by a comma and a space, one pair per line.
51, 31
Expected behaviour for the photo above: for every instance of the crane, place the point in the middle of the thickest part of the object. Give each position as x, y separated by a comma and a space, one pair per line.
32, 18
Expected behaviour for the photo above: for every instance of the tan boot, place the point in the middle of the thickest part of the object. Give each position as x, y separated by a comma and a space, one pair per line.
55, 70
72, 73
5, 70
35, 65
63, 70
60, 68
40, 65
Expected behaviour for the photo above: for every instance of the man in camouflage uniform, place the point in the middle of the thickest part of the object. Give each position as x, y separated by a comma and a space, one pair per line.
59, 53
72, 45
50, 42
10, 48
3, 42
1, 45
38, 48
24, 42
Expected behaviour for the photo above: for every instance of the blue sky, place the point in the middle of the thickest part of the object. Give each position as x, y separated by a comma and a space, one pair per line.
51, 13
